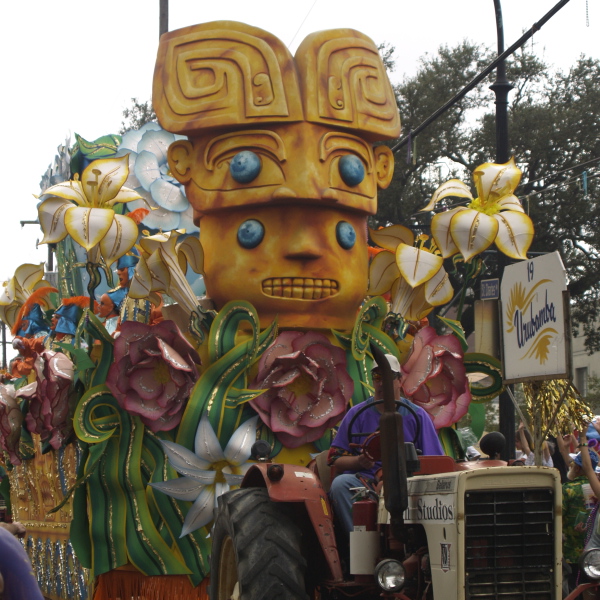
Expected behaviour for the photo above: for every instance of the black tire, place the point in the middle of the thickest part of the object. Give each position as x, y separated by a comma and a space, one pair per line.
256, 545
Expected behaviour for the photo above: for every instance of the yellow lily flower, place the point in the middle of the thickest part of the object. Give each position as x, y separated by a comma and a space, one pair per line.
496, 215
415, 275
26, 280
83, 210
162, 266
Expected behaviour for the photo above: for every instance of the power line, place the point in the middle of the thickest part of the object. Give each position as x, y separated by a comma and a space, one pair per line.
560, 185
440, 111
301, 24
563, 171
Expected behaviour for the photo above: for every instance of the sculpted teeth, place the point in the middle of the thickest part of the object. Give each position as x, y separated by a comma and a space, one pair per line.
303, 288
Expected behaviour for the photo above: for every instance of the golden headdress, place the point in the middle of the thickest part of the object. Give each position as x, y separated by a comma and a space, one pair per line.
226, 74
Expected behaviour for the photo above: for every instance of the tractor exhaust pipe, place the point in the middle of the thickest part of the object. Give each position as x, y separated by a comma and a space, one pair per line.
393, 456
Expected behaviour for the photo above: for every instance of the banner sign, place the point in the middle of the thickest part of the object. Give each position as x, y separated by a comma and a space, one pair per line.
536, 344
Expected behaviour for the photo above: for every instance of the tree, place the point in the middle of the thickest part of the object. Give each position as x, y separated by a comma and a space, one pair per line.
137, 115
593, 393
554, 129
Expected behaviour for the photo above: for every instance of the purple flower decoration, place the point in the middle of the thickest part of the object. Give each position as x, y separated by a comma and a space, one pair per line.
48, 413
308, 387
11, 419
153, 373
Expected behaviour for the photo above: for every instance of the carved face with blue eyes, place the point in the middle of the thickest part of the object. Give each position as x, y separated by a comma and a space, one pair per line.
345, 234
307, 267
296, 162
250, 234
283, 217
245, 166
352, 170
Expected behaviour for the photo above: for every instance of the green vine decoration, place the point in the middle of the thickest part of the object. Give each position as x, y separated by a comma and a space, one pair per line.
222, 389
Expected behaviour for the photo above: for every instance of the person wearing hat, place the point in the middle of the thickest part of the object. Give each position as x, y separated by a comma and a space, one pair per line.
65, 321
587, 460
575, 514
109, 308
131, 309
30, 329
347, 456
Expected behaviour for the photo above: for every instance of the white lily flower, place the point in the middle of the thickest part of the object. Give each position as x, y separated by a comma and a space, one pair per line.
414, 275
496, 215
162, 266
209, 471
84, 210
27, 279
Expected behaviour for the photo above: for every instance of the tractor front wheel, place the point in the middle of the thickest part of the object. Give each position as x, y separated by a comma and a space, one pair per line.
256, 550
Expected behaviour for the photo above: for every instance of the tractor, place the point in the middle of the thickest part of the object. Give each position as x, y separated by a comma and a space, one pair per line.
434, 528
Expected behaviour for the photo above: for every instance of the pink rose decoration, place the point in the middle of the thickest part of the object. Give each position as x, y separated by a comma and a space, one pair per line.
434, 377
11, 419
48, 413
153, 373
308, 387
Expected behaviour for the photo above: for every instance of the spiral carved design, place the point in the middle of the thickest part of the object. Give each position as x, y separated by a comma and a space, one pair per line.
224, 74
227, 74
345, 84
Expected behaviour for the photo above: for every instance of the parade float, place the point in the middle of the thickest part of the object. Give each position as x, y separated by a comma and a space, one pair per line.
137, 395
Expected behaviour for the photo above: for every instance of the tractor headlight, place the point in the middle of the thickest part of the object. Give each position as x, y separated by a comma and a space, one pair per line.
390, 575
590, 563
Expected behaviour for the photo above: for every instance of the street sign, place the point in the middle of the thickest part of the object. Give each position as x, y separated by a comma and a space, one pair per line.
535, 335
490, 289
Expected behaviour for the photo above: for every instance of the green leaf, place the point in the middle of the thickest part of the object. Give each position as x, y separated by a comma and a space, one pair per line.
85, 420
457, 330
235, 396
80, 356
372, 313
451, 443
194, 548
5, 493
231, 362
477, 412
367, 330
80, 525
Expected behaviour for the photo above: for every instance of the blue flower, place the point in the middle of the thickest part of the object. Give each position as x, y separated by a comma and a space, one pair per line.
149, 176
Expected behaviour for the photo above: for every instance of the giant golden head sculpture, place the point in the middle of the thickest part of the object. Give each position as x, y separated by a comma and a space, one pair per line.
279, 165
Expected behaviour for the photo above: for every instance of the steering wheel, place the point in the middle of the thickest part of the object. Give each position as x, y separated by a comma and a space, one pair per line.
372, 434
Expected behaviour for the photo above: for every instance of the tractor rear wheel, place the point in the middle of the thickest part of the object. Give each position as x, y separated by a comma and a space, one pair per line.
256, 550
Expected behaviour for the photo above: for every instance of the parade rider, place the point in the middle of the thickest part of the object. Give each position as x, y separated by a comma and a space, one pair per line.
347, 456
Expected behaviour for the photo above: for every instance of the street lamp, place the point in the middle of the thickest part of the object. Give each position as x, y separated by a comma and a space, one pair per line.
501, 87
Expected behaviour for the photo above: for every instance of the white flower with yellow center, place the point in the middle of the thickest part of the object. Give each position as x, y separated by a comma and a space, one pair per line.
162, 267
27, 279
84, 210
415, 275
209, 471
496, 215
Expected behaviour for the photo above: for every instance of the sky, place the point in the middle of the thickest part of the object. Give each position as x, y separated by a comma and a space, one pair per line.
74, 65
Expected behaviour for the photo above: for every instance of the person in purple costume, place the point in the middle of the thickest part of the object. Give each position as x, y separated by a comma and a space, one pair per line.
17, 581
349, 459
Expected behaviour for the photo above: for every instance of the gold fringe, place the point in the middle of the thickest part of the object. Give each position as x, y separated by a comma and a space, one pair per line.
132, 585
542, 398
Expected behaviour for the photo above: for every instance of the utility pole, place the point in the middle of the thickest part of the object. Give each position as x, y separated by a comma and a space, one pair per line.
163, 17
501, 87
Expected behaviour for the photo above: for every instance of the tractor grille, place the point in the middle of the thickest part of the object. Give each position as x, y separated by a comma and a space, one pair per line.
509, 544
